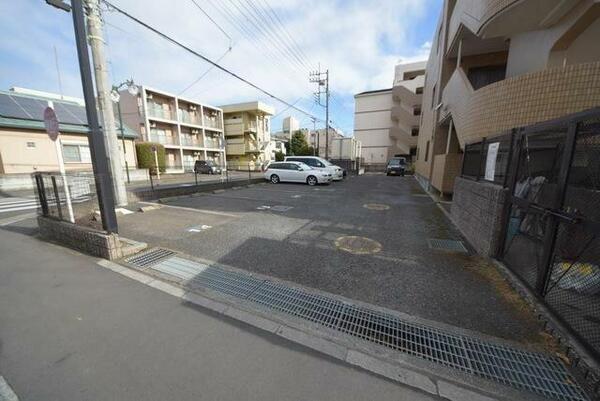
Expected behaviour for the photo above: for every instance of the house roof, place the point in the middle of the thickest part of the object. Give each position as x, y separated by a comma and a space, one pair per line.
248, 106
25, 112
374, 92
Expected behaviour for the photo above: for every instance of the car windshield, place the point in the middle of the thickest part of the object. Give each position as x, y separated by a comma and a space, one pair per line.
396, 162
325, 162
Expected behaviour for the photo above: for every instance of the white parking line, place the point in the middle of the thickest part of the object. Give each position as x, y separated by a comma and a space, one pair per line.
191, 209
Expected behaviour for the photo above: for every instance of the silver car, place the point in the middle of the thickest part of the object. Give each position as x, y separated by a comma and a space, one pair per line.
296, 172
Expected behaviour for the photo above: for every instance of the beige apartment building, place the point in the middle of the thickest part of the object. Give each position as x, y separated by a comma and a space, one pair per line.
248, 134
25, 147
386, 121
499, 64
188, 130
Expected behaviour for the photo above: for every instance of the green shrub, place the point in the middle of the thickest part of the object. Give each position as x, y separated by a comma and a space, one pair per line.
279, 156
145, 156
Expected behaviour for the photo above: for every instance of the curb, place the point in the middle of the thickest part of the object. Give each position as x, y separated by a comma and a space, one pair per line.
401, 368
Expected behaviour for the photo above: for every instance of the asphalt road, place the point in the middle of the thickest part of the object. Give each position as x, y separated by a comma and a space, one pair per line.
72, 330
293, 232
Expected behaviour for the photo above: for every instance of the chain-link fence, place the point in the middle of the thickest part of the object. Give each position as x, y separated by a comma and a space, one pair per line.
475, 160
552, 219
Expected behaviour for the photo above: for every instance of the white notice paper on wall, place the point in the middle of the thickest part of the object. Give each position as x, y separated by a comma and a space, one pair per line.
490, 163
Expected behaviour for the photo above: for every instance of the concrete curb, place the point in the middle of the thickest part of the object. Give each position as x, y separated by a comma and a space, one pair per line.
401, 368
6, 392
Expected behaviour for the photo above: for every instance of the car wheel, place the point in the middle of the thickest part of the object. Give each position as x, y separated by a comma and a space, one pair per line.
312, 180
274, 179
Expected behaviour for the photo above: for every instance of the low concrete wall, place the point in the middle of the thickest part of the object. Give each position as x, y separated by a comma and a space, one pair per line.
144, 194
86, 239
477, 211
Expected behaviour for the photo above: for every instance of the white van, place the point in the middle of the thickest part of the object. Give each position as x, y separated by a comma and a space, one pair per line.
337, 172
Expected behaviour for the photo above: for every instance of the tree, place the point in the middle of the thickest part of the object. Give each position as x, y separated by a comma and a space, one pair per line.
279, 156
145, 156
299, 145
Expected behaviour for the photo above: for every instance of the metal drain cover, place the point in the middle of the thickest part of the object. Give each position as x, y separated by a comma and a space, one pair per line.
281, 208
150, 257
358, 245
447, 245
376, 206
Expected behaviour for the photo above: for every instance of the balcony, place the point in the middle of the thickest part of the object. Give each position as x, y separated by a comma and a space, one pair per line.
404, 95
212, 143
190, 141
407, 118
157, 111
403, 136
250, 126
212, 122
518, 101
186, 117
252, 147
162, 138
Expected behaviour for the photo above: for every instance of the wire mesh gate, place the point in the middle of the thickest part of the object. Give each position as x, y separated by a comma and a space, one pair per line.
552, 220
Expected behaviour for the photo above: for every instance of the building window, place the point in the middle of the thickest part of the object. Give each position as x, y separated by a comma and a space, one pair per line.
414, 132
427, 151
433, 97
417, 111
419, 91
75, 153
30, 145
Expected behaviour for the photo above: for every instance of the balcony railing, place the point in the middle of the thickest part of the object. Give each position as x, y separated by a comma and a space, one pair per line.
190, 118
212, 143
162, 139
250, 126
159, 112
190, 140
212, 122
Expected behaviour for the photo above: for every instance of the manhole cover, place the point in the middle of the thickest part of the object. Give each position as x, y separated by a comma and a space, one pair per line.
357, 245
376, 206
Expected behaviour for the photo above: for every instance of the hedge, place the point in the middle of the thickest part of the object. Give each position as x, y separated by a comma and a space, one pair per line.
145, 156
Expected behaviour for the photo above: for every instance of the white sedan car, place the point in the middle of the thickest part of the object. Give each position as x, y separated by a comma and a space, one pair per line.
296, 172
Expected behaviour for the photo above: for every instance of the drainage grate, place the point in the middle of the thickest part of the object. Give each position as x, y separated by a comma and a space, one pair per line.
201, 275
150, 257
524, 370
447, 245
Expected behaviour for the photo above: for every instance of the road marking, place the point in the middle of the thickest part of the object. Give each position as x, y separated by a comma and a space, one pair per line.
16, 219
376, 206
198, 229
191, 209
6, 393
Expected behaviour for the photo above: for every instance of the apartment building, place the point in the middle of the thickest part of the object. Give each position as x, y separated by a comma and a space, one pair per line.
25, 147
188, 130
248, 134
386, 121
499, 64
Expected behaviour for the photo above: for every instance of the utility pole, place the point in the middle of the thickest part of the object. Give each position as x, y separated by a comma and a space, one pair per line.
322, 80
97, 145
95, 36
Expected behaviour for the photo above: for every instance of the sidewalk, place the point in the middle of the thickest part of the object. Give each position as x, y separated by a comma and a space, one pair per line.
72, 330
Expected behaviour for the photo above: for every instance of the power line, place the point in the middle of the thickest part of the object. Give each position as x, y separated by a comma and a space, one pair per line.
214, 22
281, 26
206, 59
205, 73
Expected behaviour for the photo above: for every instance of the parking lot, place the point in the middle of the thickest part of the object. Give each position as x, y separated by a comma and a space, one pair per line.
365, 238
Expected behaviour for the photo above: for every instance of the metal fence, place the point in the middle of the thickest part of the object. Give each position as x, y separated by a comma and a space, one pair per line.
551, 229
475, 159
68, 197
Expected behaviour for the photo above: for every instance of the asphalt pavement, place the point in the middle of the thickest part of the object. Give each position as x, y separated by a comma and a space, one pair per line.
365, 238
72, 330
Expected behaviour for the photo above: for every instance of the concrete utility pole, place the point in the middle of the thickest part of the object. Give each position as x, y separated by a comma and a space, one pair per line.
322, 79
95, 37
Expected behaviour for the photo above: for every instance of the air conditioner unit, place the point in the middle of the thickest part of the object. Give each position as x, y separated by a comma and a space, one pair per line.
193, 108
152, 125
195, 131
149, 96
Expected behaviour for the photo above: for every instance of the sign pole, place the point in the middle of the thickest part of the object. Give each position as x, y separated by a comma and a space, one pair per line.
51, 123
155, 150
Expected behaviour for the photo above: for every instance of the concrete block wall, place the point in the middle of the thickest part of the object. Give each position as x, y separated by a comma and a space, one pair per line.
84, 239
477, 211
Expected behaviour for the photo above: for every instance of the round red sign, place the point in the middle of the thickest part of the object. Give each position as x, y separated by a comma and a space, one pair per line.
51, 123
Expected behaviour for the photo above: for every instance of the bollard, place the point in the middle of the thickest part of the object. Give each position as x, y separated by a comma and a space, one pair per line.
196, 177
